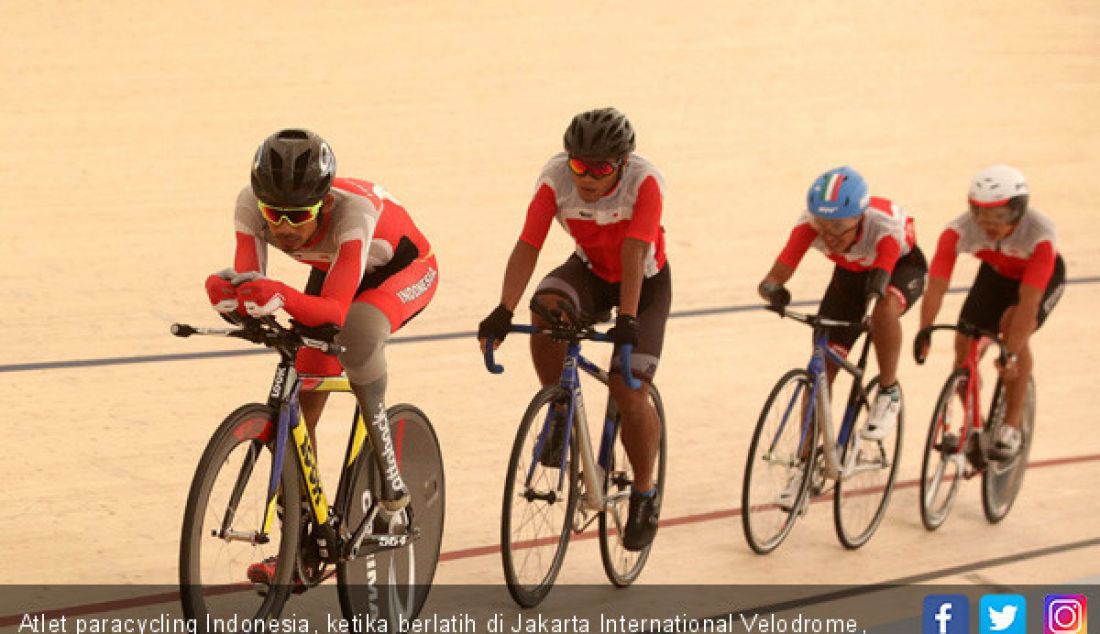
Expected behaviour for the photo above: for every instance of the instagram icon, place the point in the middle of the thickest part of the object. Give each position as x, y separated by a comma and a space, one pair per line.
1065, 614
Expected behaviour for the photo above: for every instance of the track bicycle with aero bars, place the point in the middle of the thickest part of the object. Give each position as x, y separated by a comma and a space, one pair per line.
257, 493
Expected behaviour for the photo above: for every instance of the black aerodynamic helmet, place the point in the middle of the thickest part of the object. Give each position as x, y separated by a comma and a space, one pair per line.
293, 168
599, 133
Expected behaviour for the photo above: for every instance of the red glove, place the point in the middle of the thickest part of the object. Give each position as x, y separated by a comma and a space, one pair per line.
222, 293
262, 297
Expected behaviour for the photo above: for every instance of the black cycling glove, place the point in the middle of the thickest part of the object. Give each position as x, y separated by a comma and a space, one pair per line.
625, 331
774, 294
496, 325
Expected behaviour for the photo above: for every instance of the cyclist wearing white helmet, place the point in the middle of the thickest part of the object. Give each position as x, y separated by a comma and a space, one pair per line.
873, 244
1020, 280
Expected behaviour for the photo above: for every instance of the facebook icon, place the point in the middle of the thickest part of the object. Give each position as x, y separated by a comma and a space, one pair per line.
946, 614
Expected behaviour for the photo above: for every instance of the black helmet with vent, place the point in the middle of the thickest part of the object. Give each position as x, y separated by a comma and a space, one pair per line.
600, 133
293, 168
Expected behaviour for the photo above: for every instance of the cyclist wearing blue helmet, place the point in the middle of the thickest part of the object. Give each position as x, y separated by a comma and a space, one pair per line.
873, 244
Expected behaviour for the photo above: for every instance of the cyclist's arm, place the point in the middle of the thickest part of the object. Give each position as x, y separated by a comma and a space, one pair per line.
355, 231
887, 252
338, 292
525, 255
630, 289
939, 276
1040, 267
1019, 328
645, 225
521, 264
251, 252
802, 236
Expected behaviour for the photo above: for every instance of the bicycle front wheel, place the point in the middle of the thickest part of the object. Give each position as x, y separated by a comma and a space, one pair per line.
392, 584
226, 505
780, 459
539, 503
1001, 480
870, 468
944, 461
621, 565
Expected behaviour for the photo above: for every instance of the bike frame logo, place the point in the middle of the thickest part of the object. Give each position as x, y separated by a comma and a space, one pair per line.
278, 382
382, 424
309, 464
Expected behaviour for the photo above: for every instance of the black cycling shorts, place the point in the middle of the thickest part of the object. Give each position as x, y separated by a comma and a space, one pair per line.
594, 298
992, 294
845, 298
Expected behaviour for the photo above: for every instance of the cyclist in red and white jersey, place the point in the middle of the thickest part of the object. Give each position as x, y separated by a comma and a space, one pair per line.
610, 201
873, 243
1020, 280
372, 271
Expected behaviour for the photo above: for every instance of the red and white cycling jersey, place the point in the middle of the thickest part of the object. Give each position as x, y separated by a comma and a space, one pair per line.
1026, 255
362, 231
631, 210
886, 233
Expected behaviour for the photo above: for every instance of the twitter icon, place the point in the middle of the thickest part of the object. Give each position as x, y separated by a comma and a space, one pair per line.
1003, 614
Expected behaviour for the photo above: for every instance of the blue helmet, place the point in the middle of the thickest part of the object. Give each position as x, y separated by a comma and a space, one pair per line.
838, 193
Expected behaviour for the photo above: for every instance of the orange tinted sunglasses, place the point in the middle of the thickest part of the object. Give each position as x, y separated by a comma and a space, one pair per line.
294, 216
595, 169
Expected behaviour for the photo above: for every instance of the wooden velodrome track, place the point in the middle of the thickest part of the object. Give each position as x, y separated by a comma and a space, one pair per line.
129, 128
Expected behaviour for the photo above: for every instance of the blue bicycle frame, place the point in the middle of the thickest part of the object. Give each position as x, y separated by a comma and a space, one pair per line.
571, 384
823, 354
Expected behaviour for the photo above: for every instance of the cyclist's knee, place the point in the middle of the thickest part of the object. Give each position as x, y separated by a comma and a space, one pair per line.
888, 308
552, 302
629, 401
364, 338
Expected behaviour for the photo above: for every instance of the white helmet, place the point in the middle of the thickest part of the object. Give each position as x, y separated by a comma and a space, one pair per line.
1000, 185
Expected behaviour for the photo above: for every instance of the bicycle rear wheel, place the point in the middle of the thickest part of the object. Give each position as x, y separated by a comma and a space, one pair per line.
621, 565
1001, 480
225, 509
942, 468
775, 457
539, 503
862, 494
393, 583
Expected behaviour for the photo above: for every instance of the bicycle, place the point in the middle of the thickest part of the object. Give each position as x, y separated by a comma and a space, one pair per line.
383, 568
959, 442
784, 447
538, 497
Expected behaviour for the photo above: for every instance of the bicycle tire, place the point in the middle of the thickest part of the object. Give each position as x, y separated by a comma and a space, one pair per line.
202, 592
529, 587
1001, 481
940, 469
766, 510
392, 584
852, 533
623, 566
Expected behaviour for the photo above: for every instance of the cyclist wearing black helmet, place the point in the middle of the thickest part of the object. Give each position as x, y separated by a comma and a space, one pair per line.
610, 201
372, 271
1020, 280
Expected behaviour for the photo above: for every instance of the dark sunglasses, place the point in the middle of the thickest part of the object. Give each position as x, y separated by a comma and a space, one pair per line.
595, 169
294, 216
